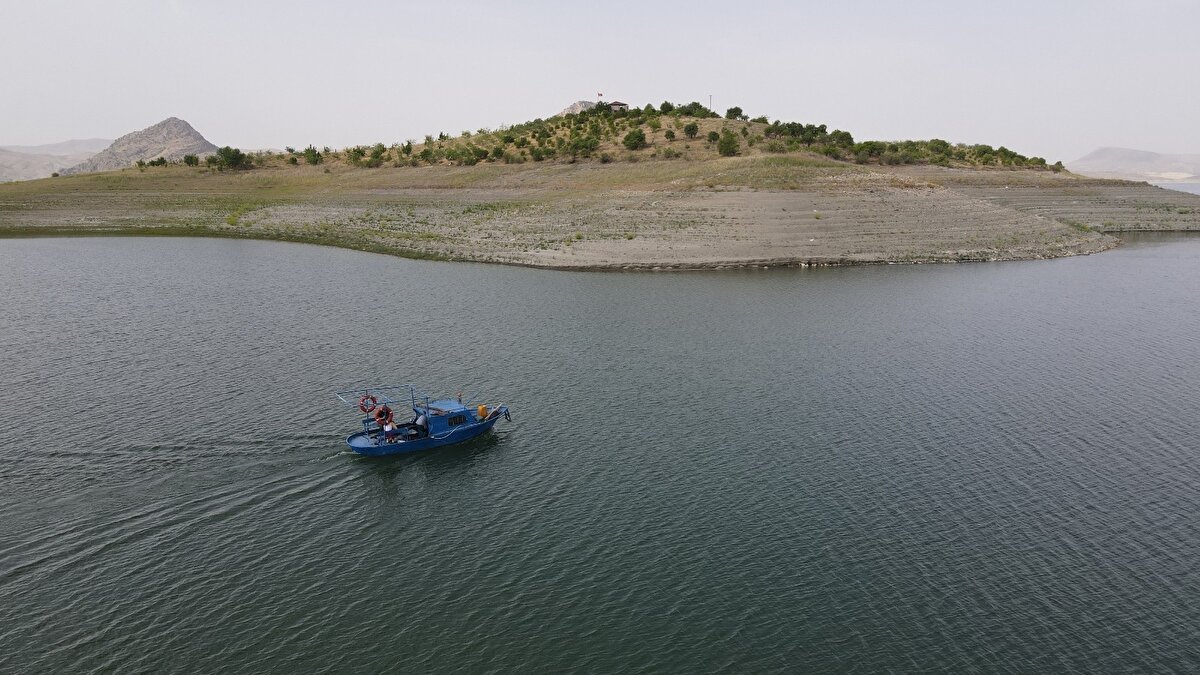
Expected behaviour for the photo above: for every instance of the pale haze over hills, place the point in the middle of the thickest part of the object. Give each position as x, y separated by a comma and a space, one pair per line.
26, 162
27, 166
1054, 80
82, 146
1138, 165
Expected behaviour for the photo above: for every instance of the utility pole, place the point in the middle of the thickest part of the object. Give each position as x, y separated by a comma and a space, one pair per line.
710, 101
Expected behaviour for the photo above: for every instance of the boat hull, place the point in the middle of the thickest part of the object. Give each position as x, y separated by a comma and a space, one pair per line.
364, 443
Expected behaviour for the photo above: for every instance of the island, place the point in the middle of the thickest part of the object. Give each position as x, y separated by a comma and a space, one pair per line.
607, 186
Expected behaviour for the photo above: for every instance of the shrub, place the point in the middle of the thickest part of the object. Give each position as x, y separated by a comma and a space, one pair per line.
191, 160
232, 158
670, 134
694, 109
635, 139
293, 161
713, 137
728, 145
311, 156
691, 129
840, 138
583, 146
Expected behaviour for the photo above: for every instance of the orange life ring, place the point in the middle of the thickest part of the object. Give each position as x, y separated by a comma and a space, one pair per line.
367, 403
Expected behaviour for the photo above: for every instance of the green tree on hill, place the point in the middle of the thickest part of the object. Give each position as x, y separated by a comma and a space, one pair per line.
733, 113
232, 158
666, 107
191, 160
713, 137
840, 138
670, 134
691, 129
694, 109
635, 140
728, 145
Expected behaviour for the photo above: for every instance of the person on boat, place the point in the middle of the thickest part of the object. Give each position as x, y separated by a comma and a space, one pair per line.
422, 425
383, 415
389, 432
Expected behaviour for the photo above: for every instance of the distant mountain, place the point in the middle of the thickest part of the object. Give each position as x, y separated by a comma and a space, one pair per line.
25, 166
577, 107
1138, 165
26, 162
171, 139
85, 146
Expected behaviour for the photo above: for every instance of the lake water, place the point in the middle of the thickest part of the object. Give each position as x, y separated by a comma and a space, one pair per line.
1193, 188
962, 467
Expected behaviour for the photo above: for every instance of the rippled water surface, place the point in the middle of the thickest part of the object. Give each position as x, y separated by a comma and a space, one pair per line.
973, 467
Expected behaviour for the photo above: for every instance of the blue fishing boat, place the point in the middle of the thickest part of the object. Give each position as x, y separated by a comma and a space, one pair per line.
435, 422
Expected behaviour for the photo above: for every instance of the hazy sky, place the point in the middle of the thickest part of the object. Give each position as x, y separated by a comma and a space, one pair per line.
1048, 78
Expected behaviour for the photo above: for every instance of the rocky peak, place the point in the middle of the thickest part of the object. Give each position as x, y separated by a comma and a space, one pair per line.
577, 107
171, 139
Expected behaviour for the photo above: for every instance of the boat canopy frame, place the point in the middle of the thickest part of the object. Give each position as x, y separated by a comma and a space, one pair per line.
395, 394
384, 394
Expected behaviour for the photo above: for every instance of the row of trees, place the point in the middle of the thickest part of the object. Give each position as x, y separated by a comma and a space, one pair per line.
224, 158
940, 152
584, 133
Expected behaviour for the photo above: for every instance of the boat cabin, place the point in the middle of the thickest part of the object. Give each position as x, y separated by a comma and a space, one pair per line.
444, 415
